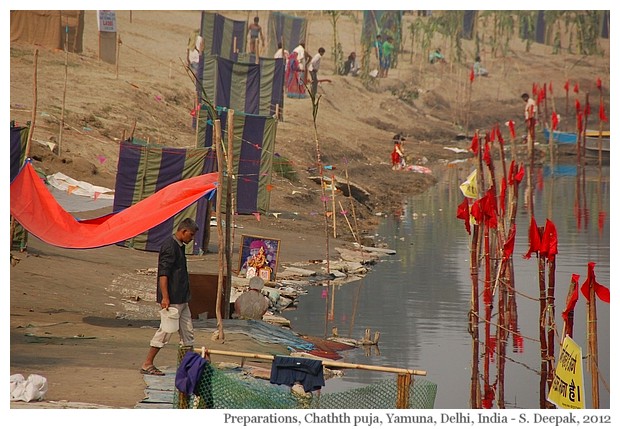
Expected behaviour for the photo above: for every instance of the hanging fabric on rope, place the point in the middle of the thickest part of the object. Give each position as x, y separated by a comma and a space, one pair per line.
34, 207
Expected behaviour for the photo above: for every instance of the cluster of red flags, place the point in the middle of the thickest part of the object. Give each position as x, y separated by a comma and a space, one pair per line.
546, 244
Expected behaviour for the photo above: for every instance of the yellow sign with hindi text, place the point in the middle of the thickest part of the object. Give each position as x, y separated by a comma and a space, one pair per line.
567, 387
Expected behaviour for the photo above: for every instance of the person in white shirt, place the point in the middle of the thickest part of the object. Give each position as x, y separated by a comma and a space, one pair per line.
315, 64
302, 55
281, 52
530, 113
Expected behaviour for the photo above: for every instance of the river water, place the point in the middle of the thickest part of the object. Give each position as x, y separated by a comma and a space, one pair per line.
419, 298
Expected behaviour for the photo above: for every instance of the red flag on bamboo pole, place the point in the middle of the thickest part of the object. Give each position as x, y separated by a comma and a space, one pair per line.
511, 173
498, 132
492, 135
601, 291
580, 122
572, 301
511, 127
489, 208
502, 196
487, 154
471, 75
601, 113
534, 237
549, 242
566, 86
576, 88
462, 212
554, 121
577, 106
587, 110
599, 84
474, 144
476, 210
519, 174
551, 87
509, 244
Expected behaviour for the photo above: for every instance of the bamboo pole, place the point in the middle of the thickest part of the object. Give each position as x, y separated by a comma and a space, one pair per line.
567, 330
348, 223
402, 392
357, 232
118, 51
218, 214
327, 363
593, 344
474, 320
64, 92
542, 331
334, 204
229, 208
550, 321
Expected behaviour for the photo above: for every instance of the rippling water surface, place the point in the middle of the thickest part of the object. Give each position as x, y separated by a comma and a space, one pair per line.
419, 298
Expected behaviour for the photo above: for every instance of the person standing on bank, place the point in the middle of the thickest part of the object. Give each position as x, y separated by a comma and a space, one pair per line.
255, 31
388, 51
315, 64
173, 291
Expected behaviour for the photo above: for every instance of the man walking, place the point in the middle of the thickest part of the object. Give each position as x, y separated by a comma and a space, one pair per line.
173, 291
315, 64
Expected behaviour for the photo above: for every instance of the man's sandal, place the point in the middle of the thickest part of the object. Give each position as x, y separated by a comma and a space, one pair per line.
151, 370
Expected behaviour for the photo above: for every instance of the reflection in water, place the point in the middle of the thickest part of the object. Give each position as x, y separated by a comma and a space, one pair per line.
419, 299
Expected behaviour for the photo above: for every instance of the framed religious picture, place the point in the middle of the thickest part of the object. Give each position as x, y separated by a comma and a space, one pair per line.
258, 256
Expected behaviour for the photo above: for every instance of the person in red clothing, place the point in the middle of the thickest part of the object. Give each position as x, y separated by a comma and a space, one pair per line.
398, 154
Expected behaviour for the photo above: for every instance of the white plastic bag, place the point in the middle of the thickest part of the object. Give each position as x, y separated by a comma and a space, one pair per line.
33, 388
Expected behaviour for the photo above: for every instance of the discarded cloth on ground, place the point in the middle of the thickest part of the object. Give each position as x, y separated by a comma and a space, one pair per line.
28, 389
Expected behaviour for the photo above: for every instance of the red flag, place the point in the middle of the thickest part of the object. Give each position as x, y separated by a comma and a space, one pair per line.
551, 87
462, 212
566, 85
580, 121
534, 236
554, 121
576, 88
492, 135
577, 106
601, 291
509, 244
499, 134
572, 301
534, 89
599, 84
487, 154
476, 210
601, 113
511, 173
549, 242
519, 175
587, 111
471, 75
474, 144
489, 207
511, 127
502, 196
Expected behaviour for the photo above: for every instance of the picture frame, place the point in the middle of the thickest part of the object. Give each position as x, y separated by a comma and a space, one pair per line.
258, 256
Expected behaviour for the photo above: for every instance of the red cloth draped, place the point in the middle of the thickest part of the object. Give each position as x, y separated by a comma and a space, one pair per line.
572, 301
487, 154
35, 208
462, 212
474, 144
502, 196
534, 237
601, 291
549, 242
601, 113
509, 244
519, 174
554, 121
499, 134
511, 127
